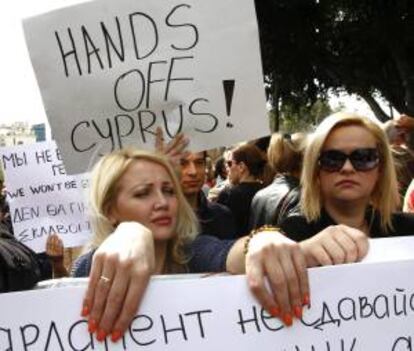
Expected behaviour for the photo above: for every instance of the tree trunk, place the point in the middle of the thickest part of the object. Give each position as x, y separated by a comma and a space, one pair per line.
276, 107
375, 107
406, 72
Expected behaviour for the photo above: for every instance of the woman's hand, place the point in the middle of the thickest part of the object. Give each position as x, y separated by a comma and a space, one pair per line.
121, 269
55, 252
405, 121
54, 247
335, 244
281, 261
174, 150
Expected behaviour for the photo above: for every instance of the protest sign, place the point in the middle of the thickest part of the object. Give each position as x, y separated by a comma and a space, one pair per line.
43, 199
352, 310
110, 72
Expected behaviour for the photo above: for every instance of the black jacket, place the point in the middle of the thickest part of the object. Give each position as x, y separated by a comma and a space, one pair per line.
238, 199
296, 226
272, 203
215, 219
19, 268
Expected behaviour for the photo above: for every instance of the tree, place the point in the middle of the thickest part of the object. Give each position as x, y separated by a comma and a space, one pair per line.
363, 47
300, 119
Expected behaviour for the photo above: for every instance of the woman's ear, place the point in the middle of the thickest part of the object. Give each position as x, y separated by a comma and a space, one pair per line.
112, 215
243, 167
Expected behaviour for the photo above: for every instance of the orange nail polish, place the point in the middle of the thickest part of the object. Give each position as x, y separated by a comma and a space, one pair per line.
306, 300
85, 311
274, 311
297, 310
101, 335
287, 319
92, 326
116, 335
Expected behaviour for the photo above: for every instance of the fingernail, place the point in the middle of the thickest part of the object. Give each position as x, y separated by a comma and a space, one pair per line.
101, 335
306, 300
116, 335
85, 311
92, 326
297, 310
274, 311
287, 319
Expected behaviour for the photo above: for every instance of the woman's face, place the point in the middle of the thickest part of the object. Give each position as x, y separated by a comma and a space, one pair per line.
349, 184
146, 194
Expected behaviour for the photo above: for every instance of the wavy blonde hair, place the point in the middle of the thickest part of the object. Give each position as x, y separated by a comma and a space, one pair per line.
384, 198
285, 152
104, 190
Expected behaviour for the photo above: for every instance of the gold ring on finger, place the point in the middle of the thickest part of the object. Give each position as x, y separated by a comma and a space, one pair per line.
104, 279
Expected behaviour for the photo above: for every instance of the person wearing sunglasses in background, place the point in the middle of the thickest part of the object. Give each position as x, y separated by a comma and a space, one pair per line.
349, 192
245, 168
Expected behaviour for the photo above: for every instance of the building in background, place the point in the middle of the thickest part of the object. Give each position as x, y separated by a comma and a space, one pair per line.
16, 134
40, 131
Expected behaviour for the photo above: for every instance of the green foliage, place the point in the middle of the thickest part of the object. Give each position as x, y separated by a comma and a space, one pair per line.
300, 119
364, 47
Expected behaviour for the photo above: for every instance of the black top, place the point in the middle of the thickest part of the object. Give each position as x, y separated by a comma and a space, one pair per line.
297, 228
215, 219
238, 199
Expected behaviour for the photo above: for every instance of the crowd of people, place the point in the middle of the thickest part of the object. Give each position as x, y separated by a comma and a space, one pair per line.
270, 209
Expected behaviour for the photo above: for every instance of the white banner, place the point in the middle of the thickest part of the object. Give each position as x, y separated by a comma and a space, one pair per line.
359, 307
43, 199
111, 71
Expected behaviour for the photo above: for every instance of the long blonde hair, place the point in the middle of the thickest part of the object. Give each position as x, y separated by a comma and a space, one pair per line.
384, 198
103, 192
285, 152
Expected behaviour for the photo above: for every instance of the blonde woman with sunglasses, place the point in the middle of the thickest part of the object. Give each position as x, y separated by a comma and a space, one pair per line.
349, 192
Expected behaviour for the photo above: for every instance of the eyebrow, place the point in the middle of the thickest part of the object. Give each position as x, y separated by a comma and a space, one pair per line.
146, 184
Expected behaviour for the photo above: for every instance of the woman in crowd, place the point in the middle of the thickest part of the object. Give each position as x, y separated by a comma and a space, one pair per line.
349, 187
398, 138
220, 174
284, 155
19, 266
143, 225
245, 167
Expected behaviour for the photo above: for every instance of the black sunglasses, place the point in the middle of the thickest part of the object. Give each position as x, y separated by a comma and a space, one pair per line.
362, 160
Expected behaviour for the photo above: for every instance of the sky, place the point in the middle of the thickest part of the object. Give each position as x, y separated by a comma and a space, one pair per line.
21, 100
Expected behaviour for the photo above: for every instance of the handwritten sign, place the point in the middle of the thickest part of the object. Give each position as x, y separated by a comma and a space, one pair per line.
352, 310
43, 199
110, 72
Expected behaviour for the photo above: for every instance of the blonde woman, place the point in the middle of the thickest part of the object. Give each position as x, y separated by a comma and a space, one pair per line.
284, 155
349, 192
143, 225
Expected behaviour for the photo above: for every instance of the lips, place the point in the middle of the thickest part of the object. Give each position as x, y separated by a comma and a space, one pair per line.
346, 183
162, 221
191, 183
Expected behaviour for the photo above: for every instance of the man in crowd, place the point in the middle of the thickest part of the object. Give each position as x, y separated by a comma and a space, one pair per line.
214, 219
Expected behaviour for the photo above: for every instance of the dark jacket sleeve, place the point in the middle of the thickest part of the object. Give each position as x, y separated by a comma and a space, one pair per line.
209, 254
19, 268
82, 266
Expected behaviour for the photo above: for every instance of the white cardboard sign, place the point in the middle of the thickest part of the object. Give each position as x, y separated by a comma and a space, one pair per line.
352, 310
43, 199
111, 71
